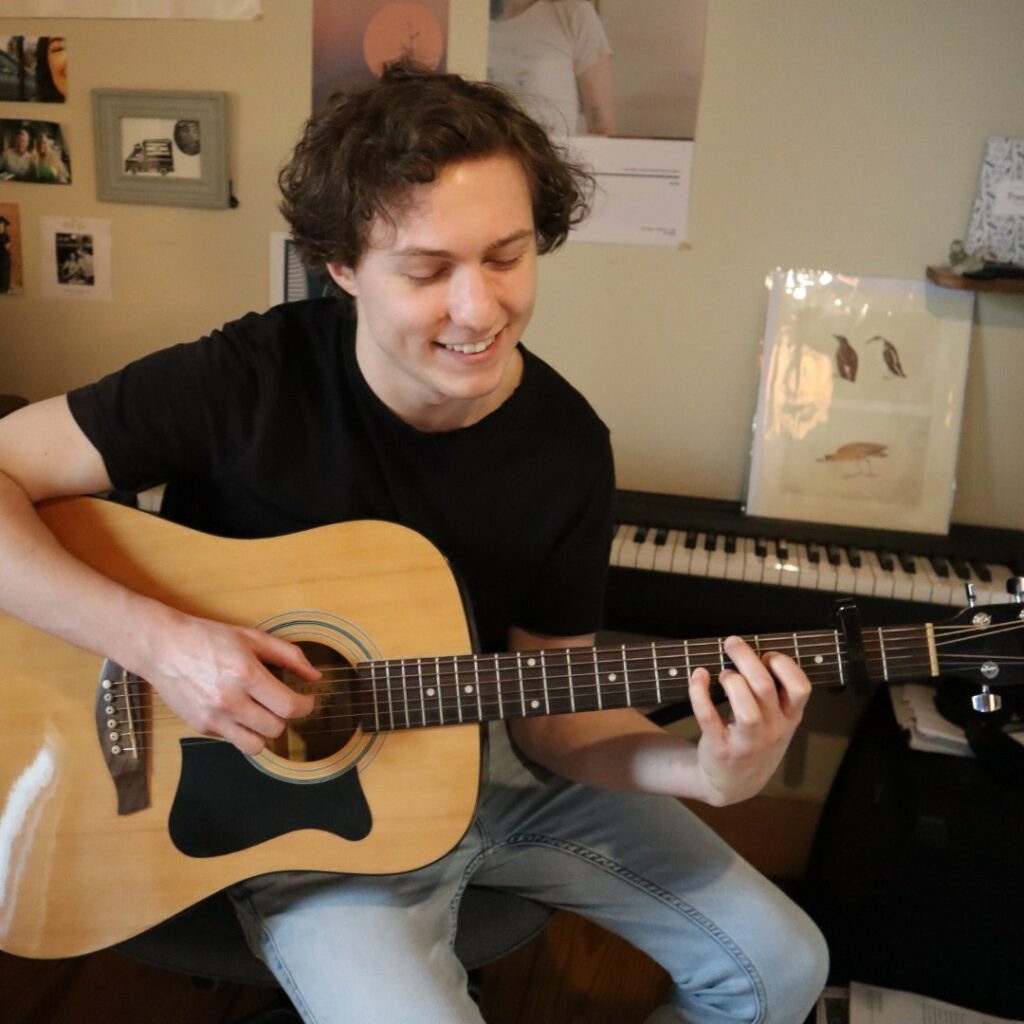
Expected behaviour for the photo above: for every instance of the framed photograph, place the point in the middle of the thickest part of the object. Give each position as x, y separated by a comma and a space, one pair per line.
167, 148
860, 401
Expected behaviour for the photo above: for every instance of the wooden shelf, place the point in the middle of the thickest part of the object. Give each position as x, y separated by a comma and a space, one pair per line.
945, 277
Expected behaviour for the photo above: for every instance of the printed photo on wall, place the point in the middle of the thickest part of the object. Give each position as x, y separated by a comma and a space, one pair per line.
11, 276
75, 260
33, 69
354, 39
34, 151
169, 148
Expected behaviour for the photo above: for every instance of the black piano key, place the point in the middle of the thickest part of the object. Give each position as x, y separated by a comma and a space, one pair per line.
710, 541
730, 543
853, 554
760, 547
691, 539
907, 563
661, 536
960, 567
782, 551
982, 571
833, 553
641, 535
940, 565
813, 552
886, 561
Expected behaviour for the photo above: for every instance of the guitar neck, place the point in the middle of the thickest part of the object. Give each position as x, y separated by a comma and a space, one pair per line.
419, 692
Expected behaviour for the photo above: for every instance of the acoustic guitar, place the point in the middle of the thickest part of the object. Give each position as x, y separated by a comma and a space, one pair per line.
114, 814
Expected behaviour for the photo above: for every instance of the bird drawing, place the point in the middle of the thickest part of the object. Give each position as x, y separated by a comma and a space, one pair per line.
889, 355
846, 358
859, 455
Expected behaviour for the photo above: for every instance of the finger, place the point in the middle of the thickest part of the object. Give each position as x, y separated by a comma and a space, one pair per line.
747, 711
704, 710
751, 666
794, 686
278, 698
284, 654
247, 741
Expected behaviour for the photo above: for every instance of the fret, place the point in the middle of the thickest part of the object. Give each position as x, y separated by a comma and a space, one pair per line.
796, 649
544, 680
572, 682
597, 683
721, 652
423, 703
488, 697
476, 678
497, 686
881, 650
373, 692
430, 688
457, 687
625, 678
839, 660
522, 691
657, 672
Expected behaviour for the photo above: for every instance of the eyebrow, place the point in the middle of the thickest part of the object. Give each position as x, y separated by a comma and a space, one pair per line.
445, 254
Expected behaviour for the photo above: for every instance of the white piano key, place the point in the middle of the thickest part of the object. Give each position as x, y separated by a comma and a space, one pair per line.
663, 556
734, 561
718, 560
753, 564
699, 558
646, 550
884, 579
624, 530
864, 576
828, 574
808, 579
922, 584
629, 548
682, 555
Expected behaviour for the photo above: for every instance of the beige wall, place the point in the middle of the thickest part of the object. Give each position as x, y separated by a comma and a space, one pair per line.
833, 134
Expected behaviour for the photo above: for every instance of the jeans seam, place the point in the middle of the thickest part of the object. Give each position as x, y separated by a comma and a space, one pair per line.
285, 979
611, 867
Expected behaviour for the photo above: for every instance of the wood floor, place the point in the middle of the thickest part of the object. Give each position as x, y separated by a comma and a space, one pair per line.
574, 973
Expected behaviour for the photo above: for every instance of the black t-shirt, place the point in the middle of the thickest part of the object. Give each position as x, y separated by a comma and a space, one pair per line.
267, 427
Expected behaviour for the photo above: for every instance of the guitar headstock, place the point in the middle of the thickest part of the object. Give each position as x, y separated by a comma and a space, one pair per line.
984, 644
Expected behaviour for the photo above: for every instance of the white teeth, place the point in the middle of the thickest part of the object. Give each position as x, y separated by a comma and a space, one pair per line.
471, 349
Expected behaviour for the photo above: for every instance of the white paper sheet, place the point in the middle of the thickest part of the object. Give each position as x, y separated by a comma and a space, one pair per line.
214, 10
643, 190
74, 259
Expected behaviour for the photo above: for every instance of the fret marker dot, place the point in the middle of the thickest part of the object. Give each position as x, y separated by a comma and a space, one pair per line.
818, 659
612, 677
431, 691
531, 662
673, 672
468, 689
534, 704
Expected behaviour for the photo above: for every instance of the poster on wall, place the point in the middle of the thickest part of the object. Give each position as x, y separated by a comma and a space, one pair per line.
213, 10
11, 275
860, 401
34, 151
354, 39
75, 258
33, 69
621, 90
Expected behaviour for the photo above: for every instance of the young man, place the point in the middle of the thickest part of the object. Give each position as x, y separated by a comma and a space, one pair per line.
427, 199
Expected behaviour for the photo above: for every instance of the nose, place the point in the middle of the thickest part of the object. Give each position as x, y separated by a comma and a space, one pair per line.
473, 299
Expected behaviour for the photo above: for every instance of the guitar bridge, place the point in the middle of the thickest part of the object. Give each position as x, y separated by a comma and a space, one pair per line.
122, 725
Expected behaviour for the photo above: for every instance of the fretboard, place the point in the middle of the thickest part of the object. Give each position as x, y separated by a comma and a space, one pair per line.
418, 692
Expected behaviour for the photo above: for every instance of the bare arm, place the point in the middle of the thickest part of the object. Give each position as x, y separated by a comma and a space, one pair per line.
209, 673
597, 94
622, 749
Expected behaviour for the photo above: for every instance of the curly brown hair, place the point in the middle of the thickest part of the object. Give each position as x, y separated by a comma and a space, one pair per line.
361, 155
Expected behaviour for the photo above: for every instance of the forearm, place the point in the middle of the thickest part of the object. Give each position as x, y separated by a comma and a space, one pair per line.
44, 585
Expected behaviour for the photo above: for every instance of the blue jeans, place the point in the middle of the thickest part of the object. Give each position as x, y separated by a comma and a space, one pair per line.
350, 948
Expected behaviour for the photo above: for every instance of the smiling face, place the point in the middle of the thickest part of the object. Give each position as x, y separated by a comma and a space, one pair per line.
443, 296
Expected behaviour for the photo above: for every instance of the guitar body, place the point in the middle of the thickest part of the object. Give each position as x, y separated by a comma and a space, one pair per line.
76, 875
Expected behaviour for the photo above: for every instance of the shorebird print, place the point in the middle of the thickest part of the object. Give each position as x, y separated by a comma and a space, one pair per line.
858, 454
890, 356
846, 358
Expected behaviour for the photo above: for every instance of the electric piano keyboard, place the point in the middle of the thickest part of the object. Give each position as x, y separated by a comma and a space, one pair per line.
686, 567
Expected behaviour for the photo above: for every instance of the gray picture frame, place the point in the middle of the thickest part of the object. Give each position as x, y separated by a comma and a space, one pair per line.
114, 183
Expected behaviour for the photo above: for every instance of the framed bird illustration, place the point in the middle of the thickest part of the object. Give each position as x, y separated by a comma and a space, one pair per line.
859, 402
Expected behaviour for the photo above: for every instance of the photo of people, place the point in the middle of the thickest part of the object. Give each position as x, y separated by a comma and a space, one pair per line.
10, 250
597, 67
34, 151
74, 259
34, 69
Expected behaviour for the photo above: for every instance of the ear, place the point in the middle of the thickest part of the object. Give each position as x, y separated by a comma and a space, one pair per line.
343, 276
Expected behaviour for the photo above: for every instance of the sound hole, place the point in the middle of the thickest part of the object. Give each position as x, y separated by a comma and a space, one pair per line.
334, 718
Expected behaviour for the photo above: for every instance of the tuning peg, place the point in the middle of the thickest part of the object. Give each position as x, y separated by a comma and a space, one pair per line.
972, 596
1015, 585
986, 701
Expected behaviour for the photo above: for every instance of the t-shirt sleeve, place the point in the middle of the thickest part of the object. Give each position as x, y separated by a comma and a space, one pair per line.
183, 411
568, 598
590, 41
